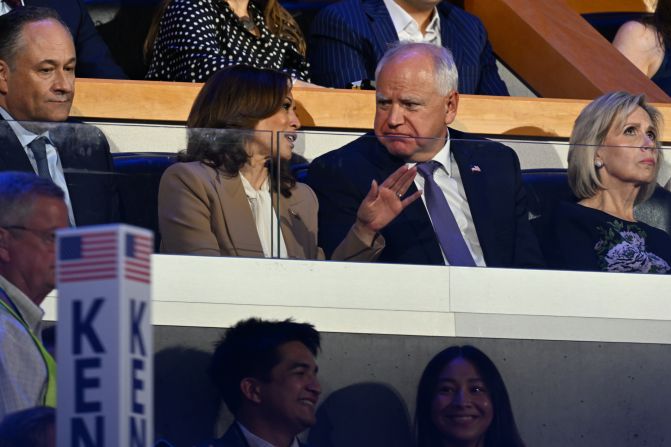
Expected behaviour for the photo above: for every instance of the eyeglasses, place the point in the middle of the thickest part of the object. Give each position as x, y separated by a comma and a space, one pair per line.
47, 236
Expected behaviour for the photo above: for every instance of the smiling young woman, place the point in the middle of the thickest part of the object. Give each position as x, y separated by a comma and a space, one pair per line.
462, 401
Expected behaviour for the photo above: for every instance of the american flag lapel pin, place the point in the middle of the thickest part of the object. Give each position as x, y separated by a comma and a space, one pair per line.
475, 168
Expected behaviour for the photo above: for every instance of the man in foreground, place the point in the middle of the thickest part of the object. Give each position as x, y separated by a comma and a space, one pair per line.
37, 86
32, 210
267, 376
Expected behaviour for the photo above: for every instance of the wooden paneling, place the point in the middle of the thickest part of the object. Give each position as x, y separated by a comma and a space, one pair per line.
592, 6
161, 102
108, 99
557, 52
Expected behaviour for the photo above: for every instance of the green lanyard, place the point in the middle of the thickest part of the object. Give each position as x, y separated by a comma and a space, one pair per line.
50, 396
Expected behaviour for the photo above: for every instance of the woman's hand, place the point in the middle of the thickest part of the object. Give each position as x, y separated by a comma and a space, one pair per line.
383, 202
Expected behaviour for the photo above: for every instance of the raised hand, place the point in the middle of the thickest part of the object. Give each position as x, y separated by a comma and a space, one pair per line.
383, 202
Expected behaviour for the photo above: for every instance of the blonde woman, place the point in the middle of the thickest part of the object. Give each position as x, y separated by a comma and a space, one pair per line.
613, 162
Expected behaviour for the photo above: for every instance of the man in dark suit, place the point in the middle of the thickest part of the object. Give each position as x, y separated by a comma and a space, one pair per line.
37, 65
473, 210
267, 376
93, 57
348, 38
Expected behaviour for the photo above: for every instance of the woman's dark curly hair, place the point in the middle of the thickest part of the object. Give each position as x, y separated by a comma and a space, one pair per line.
502, 432
661, 21
236, 98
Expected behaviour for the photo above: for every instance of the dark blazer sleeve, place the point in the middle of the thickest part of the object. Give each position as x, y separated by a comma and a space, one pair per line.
94, 59
491, 176
341, 50
338, 199
490, 81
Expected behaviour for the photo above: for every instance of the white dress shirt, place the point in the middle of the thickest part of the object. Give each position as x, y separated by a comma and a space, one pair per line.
255, 441
265, 218
448, 179
409, 30
26, 137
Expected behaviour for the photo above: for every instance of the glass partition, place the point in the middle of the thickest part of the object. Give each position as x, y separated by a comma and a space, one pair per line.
562, 366
497, 201
537, 327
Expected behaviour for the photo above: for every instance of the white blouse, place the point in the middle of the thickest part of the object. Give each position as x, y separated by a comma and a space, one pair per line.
267, 225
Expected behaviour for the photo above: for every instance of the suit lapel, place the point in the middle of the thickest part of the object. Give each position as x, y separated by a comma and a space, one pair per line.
451, 37
381, 25
447, 32
298, 240
12, 155
240, 225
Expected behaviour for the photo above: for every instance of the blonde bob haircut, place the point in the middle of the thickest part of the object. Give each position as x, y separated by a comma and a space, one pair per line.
589, 133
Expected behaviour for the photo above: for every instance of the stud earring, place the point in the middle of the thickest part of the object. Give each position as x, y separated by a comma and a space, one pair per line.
598, 163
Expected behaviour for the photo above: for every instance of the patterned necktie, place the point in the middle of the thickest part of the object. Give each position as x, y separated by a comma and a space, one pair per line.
39, 149
444, 224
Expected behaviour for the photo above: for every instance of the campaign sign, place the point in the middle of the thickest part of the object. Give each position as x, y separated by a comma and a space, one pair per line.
104, 343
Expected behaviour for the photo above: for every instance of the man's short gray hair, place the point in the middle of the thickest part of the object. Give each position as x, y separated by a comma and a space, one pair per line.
447, 77
17, 193
589, 133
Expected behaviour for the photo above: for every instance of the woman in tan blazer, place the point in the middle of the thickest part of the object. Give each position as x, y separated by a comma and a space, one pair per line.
228, 194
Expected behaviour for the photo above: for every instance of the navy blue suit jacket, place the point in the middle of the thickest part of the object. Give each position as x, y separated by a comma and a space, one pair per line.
348, 38
87, 165
494, 191
93, 57
232, 438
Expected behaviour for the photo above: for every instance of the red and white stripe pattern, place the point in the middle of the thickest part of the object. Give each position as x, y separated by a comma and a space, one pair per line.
88, 257
137, 265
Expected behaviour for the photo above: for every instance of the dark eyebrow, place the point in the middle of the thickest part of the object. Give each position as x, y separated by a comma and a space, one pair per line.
449, 380
54, 62
302, 365
297, 365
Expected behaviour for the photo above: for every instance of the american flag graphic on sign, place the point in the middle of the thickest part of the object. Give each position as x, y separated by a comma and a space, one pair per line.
136, 263
88, 257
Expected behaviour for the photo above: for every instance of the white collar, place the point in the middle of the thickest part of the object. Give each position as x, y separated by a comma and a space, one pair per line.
31, 313
442, 156
404, 22
255, 441
250, 191
24, 136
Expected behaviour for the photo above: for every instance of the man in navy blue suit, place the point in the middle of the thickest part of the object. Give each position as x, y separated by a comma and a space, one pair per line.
266, 374
348, 38
37, 86
478, 180
93, 57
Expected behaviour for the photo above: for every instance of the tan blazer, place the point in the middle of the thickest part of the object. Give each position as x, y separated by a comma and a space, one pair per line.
204, 211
